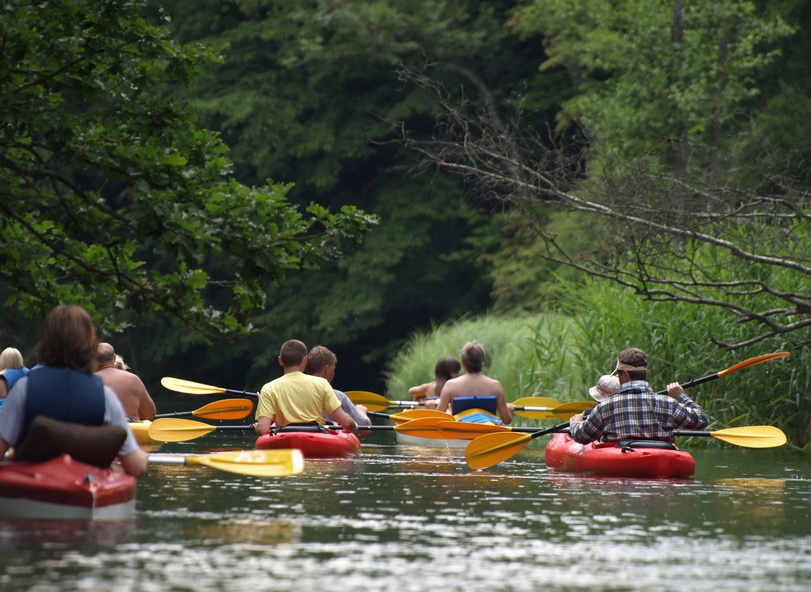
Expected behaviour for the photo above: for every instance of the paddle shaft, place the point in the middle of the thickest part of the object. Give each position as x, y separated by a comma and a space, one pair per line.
329, 427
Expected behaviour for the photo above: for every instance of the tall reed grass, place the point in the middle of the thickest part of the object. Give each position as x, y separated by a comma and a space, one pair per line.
561, 355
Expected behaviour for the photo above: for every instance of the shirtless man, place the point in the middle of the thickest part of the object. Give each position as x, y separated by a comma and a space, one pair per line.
130, 389
475, 384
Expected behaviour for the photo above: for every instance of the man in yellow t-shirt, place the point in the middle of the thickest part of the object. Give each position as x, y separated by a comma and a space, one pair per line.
297, 398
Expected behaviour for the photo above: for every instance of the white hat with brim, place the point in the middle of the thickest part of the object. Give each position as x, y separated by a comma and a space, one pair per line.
607, 385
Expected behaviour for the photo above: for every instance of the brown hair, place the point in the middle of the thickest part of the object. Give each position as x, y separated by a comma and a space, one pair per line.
68, 339
472, 356
318, 358
633, 356
443, 372
292, 353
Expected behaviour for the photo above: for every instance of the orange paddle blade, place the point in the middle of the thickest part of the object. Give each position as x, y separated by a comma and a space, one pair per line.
225, 409
754, 361
423, 428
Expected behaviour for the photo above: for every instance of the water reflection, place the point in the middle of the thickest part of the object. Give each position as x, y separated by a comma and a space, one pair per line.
405, 519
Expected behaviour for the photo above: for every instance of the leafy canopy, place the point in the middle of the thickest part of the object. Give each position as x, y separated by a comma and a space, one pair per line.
113, 198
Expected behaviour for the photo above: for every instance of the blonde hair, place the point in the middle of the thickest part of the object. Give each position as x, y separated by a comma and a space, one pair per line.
11, 358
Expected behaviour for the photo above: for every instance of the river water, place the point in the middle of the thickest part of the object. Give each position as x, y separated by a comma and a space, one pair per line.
405, 519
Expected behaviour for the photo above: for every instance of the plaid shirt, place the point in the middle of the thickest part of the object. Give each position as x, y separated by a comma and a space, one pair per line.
637, 412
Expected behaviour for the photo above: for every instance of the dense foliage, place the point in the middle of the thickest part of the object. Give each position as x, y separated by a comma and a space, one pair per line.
112, 197
116, 195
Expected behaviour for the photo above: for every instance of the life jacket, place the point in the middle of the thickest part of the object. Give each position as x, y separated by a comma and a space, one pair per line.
64, 394
485, 403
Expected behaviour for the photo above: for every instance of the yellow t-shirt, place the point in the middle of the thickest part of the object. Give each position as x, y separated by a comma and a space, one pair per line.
296, 398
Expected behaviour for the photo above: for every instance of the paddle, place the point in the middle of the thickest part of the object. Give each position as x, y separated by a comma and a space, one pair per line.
195, 388
375, 402
491, 449
183, 430
222, 409
259, 463
530, 407
762, 436
746, 436
412, 414
539, 408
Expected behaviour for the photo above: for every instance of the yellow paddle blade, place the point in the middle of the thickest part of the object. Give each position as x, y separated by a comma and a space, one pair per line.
423, 428
413, 414
559, 411
536, 407
169, 429
762, 436
491, 449
225, 409
566, 410
190, 388
372, 401
259, 463
754, 361
536, 402
465, 430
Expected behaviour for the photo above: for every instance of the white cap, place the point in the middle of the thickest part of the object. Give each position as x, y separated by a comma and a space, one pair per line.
607, 385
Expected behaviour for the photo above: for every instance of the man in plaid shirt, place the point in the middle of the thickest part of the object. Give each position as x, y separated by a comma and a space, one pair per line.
636, 411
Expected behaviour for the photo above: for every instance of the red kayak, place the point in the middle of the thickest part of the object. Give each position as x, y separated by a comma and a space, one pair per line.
65, 489
314, 442
629, 458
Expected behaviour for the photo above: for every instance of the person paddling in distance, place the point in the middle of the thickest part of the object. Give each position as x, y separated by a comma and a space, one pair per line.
474, 384
130, 389
636, 411
12, 369
296, 398
446, 368
63, 387
322, 362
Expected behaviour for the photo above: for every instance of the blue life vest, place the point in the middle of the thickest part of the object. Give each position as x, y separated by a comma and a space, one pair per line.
64, 394
487, 403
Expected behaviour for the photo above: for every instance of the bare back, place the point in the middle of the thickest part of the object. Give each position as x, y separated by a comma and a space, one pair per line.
474, 384
130, 391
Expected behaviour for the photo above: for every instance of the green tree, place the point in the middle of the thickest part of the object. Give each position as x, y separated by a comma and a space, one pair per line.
667, 93
113, 198
310, 91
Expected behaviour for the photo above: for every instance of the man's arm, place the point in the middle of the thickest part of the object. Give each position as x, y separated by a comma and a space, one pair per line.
342, 417
505, 410
262, 426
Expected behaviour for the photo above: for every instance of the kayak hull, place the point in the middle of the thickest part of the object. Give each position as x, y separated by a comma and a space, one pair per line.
65, 489
313, 444
408, 440
565, 455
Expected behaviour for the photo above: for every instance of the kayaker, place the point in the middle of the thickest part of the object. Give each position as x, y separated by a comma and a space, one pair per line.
12, 369
446, 368
636, 411
131, 391
296, 398
322, 362
63, 387
474, 384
